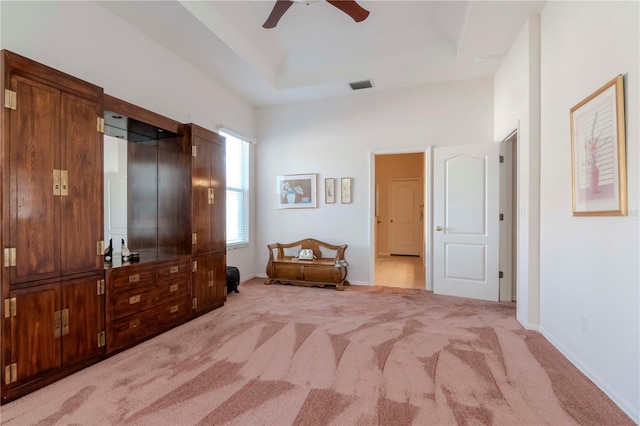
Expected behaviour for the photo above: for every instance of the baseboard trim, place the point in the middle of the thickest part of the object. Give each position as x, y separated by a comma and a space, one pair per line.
248, 278
621, 402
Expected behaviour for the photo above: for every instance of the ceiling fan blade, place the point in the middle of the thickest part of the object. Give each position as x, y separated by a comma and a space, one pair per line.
279, 9
351, 8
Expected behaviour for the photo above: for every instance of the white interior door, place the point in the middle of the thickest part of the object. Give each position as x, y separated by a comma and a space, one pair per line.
465, 219
405, 216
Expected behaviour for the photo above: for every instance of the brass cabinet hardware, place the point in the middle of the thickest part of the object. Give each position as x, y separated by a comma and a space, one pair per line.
100, 125
134, 299
438, 228
194, 303
100, 248
9, 257
134, 278
135, 323
100, 287
65, 322
194, 238
10, 307
57, 324
194, 266
11, 373
64, 182
173, 269
102, 339
173, 309
10, 99
57, 175
194, 151
173, 287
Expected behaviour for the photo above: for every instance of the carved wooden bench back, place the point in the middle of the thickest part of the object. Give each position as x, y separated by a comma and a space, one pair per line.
312, 244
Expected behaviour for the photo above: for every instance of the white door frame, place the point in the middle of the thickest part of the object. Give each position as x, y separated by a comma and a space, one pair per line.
427, 261
428, 207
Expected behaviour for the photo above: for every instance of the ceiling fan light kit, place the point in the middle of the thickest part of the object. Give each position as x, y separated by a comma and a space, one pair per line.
350, 7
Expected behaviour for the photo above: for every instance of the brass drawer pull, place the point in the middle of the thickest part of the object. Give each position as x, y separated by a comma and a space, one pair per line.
173, 309
135, 323
134, 278
173, 269
134, 299
173, 288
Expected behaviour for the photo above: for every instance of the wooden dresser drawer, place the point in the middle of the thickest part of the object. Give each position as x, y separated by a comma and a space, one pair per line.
131, 276
132, 300
173, 286
171, 269
129, 330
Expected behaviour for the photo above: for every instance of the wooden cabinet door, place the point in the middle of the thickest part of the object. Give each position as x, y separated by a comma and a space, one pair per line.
203, 285
219, 273
33, 218
85, 314
55, 183
209, 281
81, 215
219, 188
201, 186
209, 191
35, 335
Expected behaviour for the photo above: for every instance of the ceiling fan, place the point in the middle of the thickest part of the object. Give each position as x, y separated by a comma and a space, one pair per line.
350, 7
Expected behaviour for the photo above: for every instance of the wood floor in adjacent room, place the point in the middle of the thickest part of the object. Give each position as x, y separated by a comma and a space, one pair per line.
400, 272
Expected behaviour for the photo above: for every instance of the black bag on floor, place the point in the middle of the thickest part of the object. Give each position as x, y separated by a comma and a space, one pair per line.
233, 279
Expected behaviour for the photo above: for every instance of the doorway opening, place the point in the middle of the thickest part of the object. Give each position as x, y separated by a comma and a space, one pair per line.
509, 226
399, 215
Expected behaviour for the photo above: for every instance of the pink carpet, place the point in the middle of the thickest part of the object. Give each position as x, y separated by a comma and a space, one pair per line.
284, 355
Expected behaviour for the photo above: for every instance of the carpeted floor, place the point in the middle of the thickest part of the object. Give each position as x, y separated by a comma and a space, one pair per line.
284, 355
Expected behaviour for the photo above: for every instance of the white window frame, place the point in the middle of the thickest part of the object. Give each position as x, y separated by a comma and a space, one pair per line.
241, 193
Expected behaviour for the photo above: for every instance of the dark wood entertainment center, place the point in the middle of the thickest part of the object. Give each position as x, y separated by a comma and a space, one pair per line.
63, 307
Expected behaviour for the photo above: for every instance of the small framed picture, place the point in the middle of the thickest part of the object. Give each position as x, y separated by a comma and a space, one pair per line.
345, 190
296, 191
329, 190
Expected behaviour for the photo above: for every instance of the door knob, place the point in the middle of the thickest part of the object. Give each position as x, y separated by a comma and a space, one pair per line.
438, 228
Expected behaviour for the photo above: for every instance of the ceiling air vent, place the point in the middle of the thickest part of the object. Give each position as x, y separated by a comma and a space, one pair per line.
359, 85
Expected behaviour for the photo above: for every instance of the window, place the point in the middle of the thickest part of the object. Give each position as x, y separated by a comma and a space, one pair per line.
237, 151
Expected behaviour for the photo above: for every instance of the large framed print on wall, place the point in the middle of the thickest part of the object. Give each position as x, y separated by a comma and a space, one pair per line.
598, 159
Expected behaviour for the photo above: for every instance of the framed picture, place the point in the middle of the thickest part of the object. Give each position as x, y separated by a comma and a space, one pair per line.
598, 159
296, 191
329, 190
345, 190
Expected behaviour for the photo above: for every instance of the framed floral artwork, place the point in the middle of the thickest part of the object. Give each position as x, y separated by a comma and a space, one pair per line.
598, 159
296, 191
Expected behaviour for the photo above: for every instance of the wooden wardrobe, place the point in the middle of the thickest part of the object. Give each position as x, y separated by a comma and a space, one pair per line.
63, 308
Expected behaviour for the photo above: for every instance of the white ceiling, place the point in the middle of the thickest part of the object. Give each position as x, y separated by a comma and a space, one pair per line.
316, 49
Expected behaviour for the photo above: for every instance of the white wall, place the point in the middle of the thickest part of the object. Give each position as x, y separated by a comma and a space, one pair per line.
589, 265
517, 107
589, 275
335, 138
87, 41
